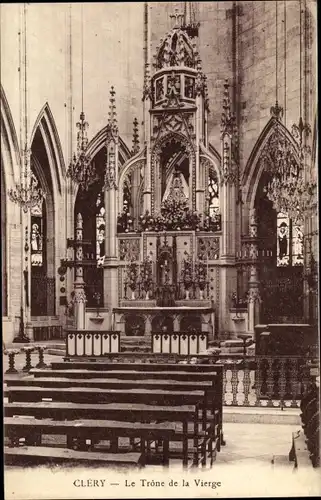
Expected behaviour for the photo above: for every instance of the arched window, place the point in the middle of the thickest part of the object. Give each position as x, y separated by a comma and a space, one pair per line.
127, 195
42, 290
289, 242
213, 194
280, 245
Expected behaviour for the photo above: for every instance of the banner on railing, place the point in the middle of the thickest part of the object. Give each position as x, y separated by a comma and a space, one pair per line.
184, 343
91, 343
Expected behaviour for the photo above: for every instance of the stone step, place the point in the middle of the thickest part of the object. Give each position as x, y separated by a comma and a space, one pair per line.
261, 415
56, 352
137, 349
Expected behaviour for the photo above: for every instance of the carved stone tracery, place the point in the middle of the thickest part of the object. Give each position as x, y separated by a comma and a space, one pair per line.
129, 249
208, 248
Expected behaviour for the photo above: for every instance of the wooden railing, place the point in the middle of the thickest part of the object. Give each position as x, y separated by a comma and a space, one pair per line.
184, 343
87, 343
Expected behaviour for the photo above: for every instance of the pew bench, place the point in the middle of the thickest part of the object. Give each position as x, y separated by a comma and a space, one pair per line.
78, 432
41, 455
111, 383
124, 412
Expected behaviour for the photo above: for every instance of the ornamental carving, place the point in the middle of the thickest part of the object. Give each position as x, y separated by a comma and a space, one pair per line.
177, 49
229, 167
129, 249
110, 174
170, 122
79, 296
208, 248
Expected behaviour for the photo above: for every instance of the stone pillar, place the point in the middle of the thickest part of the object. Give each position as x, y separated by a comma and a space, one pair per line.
254, 289
80, 296
147, 141
111, 186
26, 263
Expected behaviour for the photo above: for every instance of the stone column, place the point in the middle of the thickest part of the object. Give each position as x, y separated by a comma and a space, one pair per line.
111, 186
254, 289
147, 141
26, 264
80, 296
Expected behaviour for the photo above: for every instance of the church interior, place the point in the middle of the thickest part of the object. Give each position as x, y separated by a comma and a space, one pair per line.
159, 177
176, 196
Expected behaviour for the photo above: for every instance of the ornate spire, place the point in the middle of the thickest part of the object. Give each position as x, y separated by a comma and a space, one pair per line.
111, 144
112, 125
135, 141
228, 118
147, 91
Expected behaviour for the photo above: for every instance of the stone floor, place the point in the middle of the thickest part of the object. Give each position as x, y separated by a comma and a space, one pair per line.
266, 441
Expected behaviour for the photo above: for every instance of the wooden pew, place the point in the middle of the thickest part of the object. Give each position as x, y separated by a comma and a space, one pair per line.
131, 371
116, 412
124, 374
78, 431
112, 383
34, 455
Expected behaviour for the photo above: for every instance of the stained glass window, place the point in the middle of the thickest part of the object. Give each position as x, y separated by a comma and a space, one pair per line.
213, 194
297, 245
289, 242
127, 195
36, 233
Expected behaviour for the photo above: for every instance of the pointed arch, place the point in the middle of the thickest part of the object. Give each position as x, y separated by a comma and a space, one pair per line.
10, 151
254, 168
45, 123
98, 142
212, 156
136, 162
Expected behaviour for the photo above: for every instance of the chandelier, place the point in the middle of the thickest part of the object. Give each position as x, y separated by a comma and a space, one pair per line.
28, 193
288, 187
81, 169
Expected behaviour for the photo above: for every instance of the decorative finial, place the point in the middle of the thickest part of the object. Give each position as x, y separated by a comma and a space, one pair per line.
276, 111
178, 18
227, 119
112, 115
135, 141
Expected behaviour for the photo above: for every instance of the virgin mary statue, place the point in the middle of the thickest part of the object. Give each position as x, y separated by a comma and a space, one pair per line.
177, 187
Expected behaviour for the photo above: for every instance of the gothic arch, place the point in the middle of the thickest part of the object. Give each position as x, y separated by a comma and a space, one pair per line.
131, 164
46, 125
49, 167
10, 151
10, 219
99, 141
254, 168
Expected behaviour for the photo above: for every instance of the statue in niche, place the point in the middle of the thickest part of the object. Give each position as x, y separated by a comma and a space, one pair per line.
177, 188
